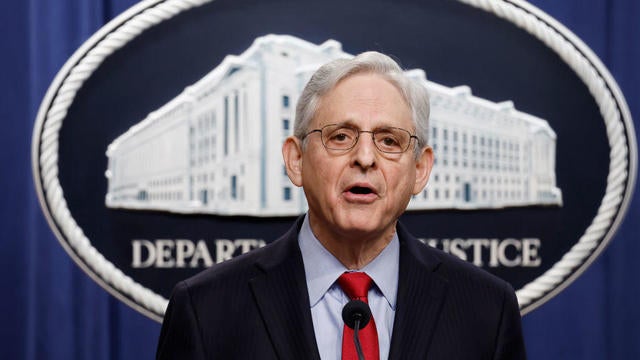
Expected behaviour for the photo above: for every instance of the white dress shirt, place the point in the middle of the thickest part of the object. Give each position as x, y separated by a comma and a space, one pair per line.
327, 299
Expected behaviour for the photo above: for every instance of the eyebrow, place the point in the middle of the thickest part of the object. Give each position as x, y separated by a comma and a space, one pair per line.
348, 122
351, 123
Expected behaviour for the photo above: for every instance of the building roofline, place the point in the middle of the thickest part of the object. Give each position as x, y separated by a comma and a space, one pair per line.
507, 106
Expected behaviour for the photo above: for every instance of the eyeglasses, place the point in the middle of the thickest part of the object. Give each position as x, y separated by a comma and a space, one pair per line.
390, 140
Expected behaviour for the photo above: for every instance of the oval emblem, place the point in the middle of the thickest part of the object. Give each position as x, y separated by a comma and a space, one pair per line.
156, 151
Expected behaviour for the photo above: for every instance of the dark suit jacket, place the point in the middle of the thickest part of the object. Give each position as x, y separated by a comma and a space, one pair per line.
256, 306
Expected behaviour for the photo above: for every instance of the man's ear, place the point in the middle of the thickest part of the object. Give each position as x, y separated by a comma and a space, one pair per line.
424, 164
292, 155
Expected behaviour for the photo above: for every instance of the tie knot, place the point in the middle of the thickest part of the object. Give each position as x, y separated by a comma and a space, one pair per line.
355, 284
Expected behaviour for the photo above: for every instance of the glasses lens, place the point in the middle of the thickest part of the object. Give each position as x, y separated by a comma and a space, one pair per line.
392, 140
338, 137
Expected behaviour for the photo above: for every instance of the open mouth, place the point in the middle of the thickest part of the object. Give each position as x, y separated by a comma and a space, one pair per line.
360, 190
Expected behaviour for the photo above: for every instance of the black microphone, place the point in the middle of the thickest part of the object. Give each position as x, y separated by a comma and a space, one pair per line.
356, 315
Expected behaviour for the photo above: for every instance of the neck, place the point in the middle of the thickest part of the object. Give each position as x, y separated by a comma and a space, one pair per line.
354, 249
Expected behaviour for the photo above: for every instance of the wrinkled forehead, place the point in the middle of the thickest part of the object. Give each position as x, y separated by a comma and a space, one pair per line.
365, 101
373, 75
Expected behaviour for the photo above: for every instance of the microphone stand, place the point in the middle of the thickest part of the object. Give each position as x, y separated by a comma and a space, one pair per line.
356, 339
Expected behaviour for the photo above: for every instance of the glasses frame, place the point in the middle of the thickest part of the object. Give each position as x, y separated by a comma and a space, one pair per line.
358, 132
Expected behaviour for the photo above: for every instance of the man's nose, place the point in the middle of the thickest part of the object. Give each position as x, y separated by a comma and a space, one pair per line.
365, 152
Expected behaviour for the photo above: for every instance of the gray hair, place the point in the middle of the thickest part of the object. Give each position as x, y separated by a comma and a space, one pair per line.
331, 73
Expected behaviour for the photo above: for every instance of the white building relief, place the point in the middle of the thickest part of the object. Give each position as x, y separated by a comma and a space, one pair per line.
215, 148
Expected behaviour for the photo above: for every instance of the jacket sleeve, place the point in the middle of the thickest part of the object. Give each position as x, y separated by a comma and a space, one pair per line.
180, 337
510, 342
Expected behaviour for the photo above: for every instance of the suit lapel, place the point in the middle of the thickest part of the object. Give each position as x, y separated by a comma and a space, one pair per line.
420, 297
281, 294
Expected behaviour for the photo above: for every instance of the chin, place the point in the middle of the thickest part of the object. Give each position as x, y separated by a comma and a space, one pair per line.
362, 222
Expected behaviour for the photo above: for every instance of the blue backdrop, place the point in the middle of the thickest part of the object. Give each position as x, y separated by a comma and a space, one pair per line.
52, 310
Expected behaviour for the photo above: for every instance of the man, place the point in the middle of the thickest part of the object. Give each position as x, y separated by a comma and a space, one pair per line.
359, 152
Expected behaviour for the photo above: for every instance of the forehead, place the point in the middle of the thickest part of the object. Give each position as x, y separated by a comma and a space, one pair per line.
365, 100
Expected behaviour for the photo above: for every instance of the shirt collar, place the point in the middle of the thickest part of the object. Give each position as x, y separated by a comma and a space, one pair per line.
322, 269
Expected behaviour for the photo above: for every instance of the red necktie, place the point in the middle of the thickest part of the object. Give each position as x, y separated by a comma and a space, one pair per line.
356, 285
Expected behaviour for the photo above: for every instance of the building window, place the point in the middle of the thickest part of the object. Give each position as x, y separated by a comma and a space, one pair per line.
286, 193
212, 118
285, 101
234, 187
